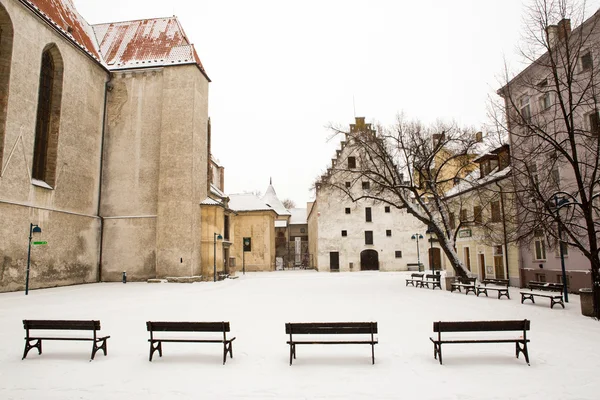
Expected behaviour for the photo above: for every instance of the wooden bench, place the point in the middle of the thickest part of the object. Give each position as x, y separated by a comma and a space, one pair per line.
546, 291
162, 326
98, 343
468, 284
499, 285
414, 278
433, 279
331, 328
482, 326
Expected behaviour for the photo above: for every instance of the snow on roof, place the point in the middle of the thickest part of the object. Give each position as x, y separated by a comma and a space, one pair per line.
271, 199
210, 202
215, 190
280, 224
145, 43
247, 202
473, 180
298, 216
63, 15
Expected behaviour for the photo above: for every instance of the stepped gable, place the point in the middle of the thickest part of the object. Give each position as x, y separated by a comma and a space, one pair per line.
156, 42
273, 201
63, 16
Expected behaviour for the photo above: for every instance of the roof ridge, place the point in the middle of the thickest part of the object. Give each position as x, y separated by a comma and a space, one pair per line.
137, 20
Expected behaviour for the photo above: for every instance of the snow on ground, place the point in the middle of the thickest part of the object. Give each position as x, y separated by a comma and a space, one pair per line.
564, 348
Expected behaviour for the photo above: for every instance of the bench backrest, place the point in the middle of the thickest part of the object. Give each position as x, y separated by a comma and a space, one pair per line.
433, 276
71, 325
481, 326
467, 281
416, 275
174, 326
330, 327
500, 282
546, 286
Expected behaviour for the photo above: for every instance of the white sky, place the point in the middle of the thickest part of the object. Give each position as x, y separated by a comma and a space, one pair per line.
282, 71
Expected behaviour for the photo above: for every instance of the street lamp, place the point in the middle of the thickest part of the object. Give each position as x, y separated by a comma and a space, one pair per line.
216, 236
558, 203
431, 264
416, 237
32, 229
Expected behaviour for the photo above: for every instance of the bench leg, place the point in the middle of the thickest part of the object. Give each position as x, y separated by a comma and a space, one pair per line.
227, 348
372, 353
525, 296
503, 293
522, 348
292, 352
154, 348
437, 284
553, 302
95, 347
437, 351
37, 345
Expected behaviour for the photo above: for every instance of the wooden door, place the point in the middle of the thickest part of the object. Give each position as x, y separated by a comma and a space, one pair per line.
334, 261
369, 260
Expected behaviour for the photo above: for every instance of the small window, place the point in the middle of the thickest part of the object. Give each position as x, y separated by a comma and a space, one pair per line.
463, 215
344, 233
495, 205
398, 254
477, 214
368, 216
366, 185
540, 277
387, 209
555, 177
347, 210
565, 249
302, 230
347, 184
540, 248
452, 222
535, 178
594, 123
525, 109
559, 279
368, 237
586, 61
545, 102
388, 232
351, 162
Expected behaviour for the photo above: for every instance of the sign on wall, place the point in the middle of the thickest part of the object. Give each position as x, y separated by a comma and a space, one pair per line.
465, 233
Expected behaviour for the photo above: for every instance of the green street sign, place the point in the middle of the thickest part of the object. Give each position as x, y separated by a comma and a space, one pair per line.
40, 243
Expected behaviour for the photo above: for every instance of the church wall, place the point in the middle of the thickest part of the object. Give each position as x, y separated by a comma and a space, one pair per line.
182, 172
66, 213
130, 174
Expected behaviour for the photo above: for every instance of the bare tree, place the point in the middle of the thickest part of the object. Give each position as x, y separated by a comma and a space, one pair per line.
408, 166
551, 112
289, 203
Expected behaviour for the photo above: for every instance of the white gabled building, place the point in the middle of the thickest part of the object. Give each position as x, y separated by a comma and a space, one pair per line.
363, 235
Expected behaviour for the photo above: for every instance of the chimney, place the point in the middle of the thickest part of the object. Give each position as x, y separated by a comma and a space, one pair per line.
564, 29
552, 35
222, 179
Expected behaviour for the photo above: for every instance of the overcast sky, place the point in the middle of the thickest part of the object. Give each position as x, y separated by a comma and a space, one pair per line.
282, 71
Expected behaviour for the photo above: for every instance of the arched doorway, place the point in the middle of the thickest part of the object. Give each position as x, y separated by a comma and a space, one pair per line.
369, 260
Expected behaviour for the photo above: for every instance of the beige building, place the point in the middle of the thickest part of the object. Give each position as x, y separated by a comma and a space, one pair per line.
103, 145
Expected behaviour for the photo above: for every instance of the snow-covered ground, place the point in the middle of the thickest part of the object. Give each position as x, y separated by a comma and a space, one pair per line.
564, 348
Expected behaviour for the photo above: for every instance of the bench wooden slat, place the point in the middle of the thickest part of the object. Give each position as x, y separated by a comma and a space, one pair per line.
334, 342
331, 328
180, 326
74, 325
481, 326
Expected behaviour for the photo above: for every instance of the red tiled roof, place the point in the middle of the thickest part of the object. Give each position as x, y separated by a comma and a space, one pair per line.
63, 15
145, 43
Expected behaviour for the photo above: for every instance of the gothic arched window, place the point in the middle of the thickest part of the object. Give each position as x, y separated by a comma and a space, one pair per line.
48, 117
6, 42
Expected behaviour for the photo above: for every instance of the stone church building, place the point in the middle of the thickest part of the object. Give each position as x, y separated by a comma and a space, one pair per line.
104, 144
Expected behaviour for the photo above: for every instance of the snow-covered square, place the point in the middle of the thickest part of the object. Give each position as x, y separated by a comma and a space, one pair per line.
564, 348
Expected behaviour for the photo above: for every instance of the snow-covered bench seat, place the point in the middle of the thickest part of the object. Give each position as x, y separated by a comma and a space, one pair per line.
431, 279
414, 278
481, 326
98, 343
468, 284
331, 328
499, 285
553, 291
162, 326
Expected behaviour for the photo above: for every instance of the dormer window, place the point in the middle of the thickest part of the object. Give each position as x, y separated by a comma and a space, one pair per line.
351, 162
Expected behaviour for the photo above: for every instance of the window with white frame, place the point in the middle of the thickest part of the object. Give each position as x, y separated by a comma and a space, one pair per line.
545, 101
587, 61
539, 246
525, 108
593, 121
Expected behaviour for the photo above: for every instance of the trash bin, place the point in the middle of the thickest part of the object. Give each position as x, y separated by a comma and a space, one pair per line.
448, 280
587, 302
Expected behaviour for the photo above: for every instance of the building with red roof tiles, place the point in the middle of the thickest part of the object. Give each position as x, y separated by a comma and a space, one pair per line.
103, 145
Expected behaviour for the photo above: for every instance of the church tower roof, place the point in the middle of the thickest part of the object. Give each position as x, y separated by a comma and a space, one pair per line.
272, 200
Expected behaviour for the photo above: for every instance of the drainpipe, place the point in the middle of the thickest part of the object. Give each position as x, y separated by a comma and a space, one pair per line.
107, 88
504, 231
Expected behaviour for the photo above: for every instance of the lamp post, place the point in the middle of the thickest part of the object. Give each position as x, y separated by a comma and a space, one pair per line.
558, 203
431, 264
416, 237
32, 229
216, 236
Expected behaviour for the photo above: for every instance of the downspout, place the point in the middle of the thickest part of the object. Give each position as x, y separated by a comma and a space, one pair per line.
504, 231
107, 88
